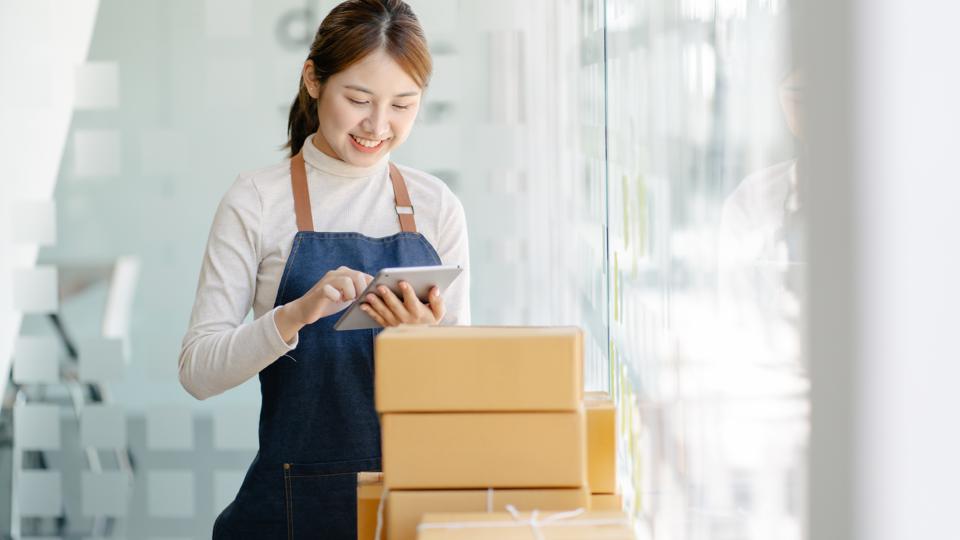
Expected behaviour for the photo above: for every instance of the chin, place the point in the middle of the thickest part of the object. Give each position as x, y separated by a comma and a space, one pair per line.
365, 159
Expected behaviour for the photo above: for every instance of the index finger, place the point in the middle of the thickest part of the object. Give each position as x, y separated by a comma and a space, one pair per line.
331, 292
359, 281
409, 296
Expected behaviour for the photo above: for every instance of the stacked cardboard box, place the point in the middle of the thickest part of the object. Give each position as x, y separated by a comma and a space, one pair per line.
476, 418
369, 491
606, 501
407, 507
602, 451
507, 526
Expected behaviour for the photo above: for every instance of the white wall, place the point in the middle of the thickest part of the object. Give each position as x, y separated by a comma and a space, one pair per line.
41, 44
884, 266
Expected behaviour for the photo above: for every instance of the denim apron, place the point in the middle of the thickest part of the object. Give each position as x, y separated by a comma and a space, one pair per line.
318, 425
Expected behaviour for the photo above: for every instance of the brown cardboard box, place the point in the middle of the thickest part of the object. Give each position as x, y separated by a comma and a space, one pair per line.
481, 450
601, 442
369, 490
405, 508
475, 368
606, 526
605, 501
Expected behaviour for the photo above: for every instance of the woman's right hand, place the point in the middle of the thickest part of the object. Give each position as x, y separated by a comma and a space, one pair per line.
331, 294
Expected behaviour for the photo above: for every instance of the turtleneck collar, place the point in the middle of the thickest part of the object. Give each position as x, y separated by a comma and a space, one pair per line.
333, 166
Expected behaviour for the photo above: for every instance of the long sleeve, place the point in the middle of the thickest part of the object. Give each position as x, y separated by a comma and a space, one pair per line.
220, 350
453, 248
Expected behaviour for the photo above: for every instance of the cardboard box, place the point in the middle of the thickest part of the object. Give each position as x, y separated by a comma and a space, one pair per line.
601, 442
406, 508
475, 368
606, 501
369, 491
500, 526
481, 450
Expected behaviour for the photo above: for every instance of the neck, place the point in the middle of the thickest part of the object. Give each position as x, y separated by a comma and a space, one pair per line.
315, 154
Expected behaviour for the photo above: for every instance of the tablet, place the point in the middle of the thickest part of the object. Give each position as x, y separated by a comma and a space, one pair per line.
421, 278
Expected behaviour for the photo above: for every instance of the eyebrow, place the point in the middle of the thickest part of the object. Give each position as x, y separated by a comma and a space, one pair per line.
365, 91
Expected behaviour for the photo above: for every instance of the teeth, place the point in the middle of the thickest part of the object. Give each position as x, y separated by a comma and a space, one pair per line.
366, 142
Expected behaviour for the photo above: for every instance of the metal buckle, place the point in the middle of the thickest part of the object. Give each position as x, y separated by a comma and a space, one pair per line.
405, 210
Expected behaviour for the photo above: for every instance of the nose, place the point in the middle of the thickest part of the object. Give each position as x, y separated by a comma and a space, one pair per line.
376, 123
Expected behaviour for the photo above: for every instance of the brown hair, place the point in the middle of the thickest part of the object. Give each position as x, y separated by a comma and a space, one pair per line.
351, 31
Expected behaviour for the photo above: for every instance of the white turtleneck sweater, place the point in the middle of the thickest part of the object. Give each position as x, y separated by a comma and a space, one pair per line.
251, 237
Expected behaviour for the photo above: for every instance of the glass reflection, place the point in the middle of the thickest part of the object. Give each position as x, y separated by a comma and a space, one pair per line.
706, 263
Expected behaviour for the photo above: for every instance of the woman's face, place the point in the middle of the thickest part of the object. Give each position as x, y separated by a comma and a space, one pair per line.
792, 90
366, 110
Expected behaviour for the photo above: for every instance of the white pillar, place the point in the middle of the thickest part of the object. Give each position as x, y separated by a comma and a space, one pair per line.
884, 267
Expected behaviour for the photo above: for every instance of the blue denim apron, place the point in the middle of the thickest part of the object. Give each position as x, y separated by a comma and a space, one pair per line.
318, 425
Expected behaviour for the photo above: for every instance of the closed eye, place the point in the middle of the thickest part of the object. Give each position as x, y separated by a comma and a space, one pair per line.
358, 102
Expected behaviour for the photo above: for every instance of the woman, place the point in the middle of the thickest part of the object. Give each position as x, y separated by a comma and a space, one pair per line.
297, 242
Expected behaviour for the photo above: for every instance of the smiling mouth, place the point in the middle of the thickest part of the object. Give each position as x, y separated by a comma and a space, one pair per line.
367, 144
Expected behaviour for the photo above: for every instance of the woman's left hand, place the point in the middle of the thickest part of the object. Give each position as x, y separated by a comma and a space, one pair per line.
388, 310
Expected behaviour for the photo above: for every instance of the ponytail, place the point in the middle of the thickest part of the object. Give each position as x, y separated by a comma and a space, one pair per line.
302, 121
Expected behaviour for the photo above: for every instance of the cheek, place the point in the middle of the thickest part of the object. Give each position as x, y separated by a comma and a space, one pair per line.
335, 120
402, 126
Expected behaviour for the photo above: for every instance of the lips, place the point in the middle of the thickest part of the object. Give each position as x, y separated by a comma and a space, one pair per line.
365, 149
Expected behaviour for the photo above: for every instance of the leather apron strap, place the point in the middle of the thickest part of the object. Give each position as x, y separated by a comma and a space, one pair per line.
301, 194
301, 197
402, 201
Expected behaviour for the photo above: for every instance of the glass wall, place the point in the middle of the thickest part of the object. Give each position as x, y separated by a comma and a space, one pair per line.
627, 166
705, 258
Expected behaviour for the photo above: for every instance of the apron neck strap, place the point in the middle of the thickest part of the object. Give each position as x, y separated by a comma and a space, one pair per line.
301, 197
402, 201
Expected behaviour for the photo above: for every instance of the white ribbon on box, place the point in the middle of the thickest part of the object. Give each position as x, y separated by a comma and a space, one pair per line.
383, 499
559, 519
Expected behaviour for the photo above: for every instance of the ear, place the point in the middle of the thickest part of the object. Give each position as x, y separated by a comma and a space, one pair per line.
310, 79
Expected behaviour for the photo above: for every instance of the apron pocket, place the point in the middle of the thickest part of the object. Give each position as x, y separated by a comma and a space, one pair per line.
321, 498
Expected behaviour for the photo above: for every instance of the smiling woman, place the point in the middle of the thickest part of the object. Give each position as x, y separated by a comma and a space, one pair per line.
297, 242
380, 64
368, 108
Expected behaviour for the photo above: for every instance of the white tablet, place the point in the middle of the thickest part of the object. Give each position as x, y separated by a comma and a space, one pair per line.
421, 278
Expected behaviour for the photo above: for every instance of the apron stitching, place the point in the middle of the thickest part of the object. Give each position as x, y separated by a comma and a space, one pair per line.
316, 235
286, 488
431, 249
319, 475
333, 462
293, 255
